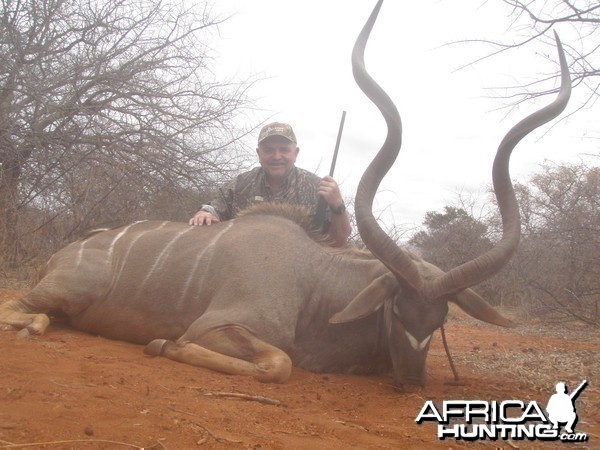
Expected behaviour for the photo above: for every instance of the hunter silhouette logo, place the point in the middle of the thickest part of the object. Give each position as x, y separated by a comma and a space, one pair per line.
472, 420
561, 406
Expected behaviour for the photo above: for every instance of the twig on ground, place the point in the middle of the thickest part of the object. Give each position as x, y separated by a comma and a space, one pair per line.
254, 398
74, 441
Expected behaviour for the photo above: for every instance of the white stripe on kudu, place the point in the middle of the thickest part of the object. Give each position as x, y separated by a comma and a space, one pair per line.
209, 247
79, 254
161, 257
117, 274
117, 237
90, 233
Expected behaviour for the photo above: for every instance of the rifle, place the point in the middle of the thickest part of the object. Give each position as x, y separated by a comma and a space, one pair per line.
319, 219
576, 392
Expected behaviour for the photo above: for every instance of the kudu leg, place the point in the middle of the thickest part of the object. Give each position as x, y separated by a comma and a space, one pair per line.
60, 291
232, 350
14, 314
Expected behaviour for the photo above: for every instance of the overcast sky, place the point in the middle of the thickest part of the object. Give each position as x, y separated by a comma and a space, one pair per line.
301, 51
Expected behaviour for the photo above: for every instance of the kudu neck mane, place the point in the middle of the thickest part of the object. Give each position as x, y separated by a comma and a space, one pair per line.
300, 215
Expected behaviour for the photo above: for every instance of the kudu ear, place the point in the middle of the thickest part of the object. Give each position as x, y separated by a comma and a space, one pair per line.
475, 306
368, 300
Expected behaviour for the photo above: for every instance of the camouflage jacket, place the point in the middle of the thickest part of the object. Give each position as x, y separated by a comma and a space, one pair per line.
299, 188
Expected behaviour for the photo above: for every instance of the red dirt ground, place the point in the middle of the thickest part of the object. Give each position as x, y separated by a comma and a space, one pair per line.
68, 390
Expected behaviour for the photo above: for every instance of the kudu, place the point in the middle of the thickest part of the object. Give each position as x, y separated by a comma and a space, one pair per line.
257, 294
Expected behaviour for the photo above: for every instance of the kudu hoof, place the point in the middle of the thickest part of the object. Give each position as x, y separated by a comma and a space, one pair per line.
25, 333
156, 347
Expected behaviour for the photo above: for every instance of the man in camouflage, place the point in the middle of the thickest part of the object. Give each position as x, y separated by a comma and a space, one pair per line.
278, 180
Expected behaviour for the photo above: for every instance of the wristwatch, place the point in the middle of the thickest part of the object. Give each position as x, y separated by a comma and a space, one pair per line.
338, 210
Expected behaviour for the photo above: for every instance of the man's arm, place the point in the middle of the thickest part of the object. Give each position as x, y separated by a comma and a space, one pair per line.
206, 215
217, 210
339, 229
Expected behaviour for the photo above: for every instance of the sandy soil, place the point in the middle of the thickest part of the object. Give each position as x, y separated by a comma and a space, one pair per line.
71, 390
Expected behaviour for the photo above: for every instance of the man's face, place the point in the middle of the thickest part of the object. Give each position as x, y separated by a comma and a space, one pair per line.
277, 156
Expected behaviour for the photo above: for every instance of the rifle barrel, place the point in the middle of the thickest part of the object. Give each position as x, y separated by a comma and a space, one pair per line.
319, 219
337, 144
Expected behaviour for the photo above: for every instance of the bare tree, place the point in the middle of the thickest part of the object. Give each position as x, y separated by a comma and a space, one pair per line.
559, 256
533, 19
555, 274
556, 271
105, 105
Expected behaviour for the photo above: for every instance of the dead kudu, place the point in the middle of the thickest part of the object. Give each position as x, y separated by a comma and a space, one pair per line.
257, 294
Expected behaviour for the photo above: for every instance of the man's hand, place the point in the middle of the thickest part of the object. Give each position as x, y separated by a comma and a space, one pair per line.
203, 218
330, 191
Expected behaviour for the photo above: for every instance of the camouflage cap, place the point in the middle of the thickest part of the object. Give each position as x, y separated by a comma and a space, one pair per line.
277, 129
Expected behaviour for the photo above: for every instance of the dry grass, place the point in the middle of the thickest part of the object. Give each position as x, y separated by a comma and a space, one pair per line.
568, 353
